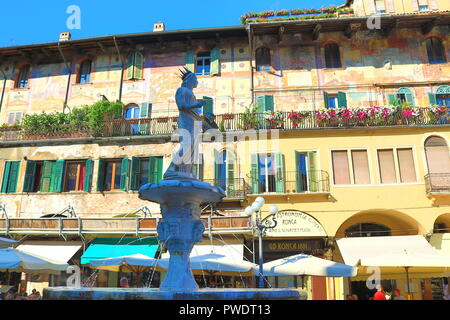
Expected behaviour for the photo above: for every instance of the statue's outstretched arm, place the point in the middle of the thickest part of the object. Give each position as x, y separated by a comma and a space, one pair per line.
182, 99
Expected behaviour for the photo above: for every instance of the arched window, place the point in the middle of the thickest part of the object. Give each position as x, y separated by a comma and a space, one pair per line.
435, 50
135, 65
132, 111
203, 63
405, 95
84, 76
367, 230
438, 159
332, 56
443, 96
263, 61
24, 75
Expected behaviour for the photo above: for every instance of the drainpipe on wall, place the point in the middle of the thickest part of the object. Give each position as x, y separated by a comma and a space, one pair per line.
3, 90
121, 62
70, 75
250, 41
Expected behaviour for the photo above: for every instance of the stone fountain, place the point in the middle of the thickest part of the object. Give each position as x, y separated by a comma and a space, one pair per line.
180, 195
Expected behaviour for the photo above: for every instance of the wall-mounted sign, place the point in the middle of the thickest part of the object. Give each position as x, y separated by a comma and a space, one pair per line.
294, 246
296, 224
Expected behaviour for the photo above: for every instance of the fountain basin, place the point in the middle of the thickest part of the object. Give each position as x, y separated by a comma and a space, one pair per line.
64, 293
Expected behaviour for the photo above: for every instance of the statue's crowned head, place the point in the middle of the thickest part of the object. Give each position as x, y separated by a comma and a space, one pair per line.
188, 77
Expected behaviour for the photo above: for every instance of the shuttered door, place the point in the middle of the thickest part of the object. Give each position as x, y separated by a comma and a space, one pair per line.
325, 99
279, 164
387, 166
406, 165
341, 170
13, 177
30, 173
130, 66
135, 173
101, 175
314, 183
124, 175
360, 167
156, 164
88, 175
255, 174
58, 176
432, 98
215, 62
342, 100
138, 65
145, 113
438, 159
46, 181
231, 183
6, 172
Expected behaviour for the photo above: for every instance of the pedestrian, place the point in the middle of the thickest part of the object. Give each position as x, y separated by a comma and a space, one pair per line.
355, 297
124, 282
349, 297
397, 295
380, 294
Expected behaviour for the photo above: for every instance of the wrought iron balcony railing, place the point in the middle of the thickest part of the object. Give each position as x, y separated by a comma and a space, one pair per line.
234, 188
309, 182
301, 120
437, 182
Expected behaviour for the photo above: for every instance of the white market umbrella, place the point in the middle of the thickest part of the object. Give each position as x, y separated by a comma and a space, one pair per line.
306, 265
13, 260
215, 263
132, 263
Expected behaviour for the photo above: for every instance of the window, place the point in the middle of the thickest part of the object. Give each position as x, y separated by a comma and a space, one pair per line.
113, 175
367, 230
135, 66
263, 62
203, 63
224, 170
33, 176
380, 6
437, 154
358, 161
132, 111
441, 97
22, 79
332, 56
75, 175
145, 170
391, 160
423, 5
85, 72
435, 51
14, 118
332, 101
10, 176
403, 95
268, 173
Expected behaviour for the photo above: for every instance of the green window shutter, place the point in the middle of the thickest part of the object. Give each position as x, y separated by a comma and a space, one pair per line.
101, 175
217, 160
279, 184
145, 113
88, 175
215, 62
297, 173
409, 98
209, 105
198, 168
155, 171
255, 174
313, 173
260, 103
190, 61
231, 183
268, 103
30, 173
138, 65
58, 176
46, 180
135, 173
432, 99
13, 177
124, 175
6, 172
392, 98
130, 66
342, 99
325, 99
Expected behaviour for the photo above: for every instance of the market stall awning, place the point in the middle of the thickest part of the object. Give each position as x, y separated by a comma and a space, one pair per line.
303, 264
54, 250
133, 263
101, 248
17, 261
394, 256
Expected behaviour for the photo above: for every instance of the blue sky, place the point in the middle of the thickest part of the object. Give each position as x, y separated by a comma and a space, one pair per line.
30, 21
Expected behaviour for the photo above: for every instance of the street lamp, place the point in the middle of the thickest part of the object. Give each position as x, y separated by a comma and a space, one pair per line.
262, 225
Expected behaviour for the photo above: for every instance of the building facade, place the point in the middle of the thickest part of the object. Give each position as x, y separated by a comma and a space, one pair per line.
327, 142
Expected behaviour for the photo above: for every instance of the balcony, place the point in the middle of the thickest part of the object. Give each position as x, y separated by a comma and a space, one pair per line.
310, 184
438, 183
122, 226
285, 121
235, 189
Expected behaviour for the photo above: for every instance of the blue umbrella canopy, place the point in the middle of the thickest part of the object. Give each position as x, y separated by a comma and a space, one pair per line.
5, 242
15, 260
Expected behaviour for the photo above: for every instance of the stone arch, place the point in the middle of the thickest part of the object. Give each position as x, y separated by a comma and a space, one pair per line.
398, 222
442, 223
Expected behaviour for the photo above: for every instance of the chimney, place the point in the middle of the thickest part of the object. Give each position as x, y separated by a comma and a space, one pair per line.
65, 36
159, 26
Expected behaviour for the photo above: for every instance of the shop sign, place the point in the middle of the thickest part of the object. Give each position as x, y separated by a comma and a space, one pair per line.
296, 224
293, 245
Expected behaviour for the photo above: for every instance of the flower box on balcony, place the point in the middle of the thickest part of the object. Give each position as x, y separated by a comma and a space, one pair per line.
162, 120
228, 116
